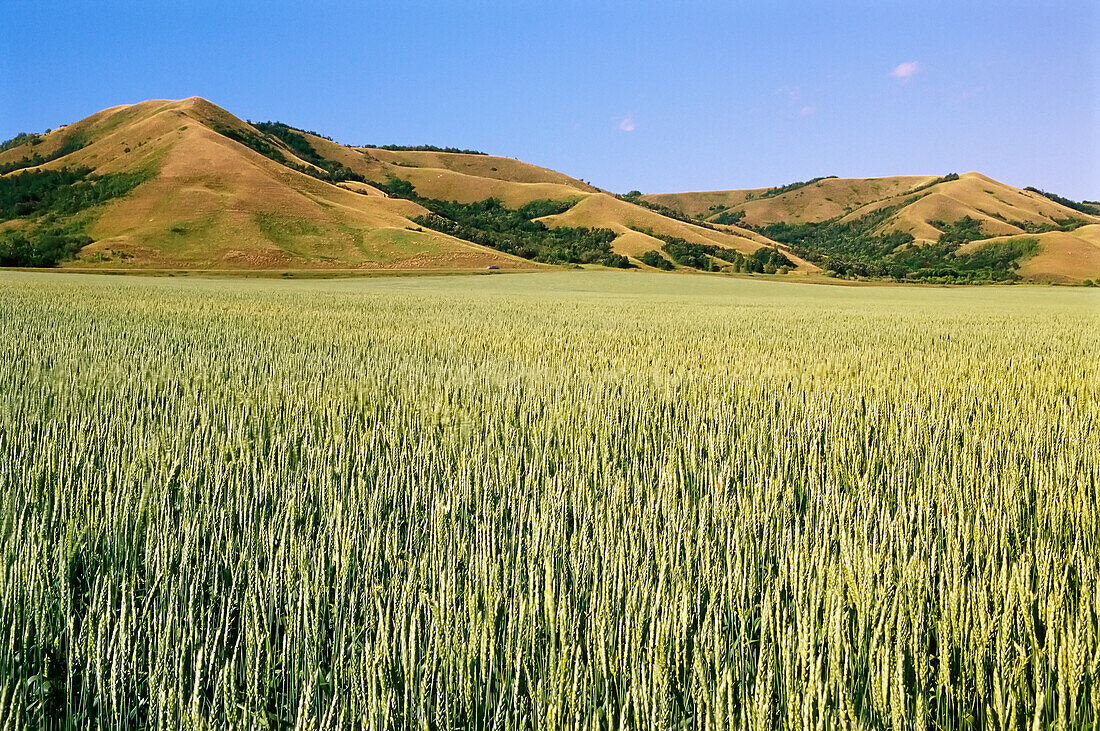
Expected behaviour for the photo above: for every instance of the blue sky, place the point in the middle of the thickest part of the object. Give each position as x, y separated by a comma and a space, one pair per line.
654, 96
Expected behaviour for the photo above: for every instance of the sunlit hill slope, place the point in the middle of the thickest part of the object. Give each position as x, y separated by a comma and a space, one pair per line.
185, 185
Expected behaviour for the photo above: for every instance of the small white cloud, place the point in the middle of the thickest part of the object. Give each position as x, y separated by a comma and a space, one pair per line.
807, 110
905, 70
626, 124
793, 94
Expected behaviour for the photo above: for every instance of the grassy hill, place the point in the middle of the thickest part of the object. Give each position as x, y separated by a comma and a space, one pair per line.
639, 229
208, 201
185, 185
471, 178
814, 202
1061, 256
212, 191
922, 226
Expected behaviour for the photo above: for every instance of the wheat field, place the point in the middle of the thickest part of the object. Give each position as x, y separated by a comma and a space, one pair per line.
579, 500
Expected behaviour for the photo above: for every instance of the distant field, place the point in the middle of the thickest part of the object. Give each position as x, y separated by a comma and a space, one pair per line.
559, 500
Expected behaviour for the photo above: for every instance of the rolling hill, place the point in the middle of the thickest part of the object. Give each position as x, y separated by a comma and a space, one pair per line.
215, 192
813, 202
207, 201
185, 185
470, 178
925, 209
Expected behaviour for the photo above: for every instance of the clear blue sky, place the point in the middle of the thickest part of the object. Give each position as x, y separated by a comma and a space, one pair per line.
660, 97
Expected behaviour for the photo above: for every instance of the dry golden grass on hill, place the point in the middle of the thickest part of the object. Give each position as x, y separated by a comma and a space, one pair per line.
212, 202
482, 166
996, 205
923, 204
827, 198
1064, 256
1000, 208
601, 210
468, 178
464, 178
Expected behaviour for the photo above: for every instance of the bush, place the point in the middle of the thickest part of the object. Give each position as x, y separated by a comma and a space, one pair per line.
63, 192
40, 248
855, 249
1089, 207
962, 231
729, 218
633, 197
654, 259
766, 260
48, 199
772, 192
300, 146
23, 138
945, 179
425, 148
696, 256
395, 187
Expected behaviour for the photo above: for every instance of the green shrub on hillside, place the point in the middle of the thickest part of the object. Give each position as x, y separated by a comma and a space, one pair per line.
654, 259
945, 179
687, 254
265, 143
772, 192
300, 146
634, 197
72, 144
23, 138
62, 192
1090, 207
425, 148
857, 249
765, 260
729, 218
962, 231
257, 142
513, 230
48, 200
40, 247
701, 256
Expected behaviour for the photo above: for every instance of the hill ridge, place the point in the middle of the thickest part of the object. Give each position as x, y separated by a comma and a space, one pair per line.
186, 184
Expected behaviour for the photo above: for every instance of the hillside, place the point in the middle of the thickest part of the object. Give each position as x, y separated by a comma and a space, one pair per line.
1062, 256
637, 229
185, 185
470, 178
1001, 209
207, 201
867, 227
811, 203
